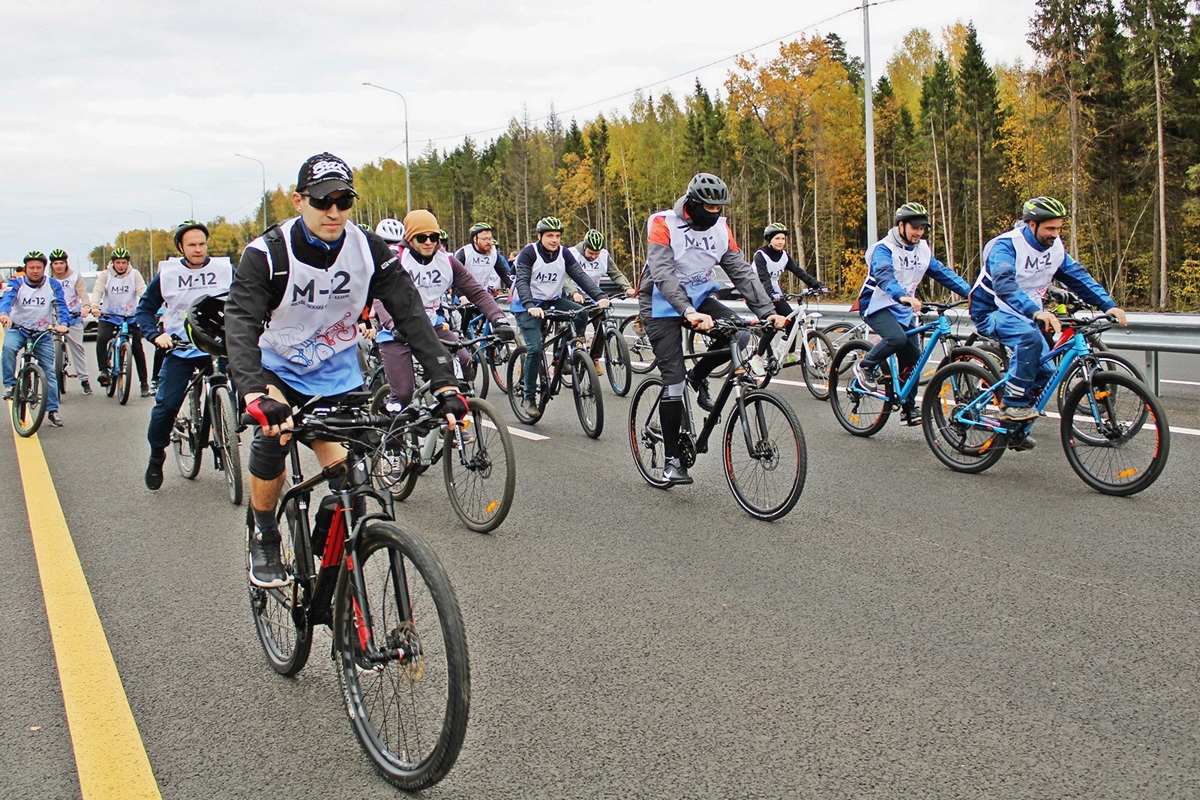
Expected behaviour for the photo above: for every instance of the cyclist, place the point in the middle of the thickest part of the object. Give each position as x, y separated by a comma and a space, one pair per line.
887, 301
772, 260
542, 268
30, 304
434, 271
1006, 300
686, 243
79, 305
291, 332
391, 231
593, 257
483, 260
179, 282
114, 300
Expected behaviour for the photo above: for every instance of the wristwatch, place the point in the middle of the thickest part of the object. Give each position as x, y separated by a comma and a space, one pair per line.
689, 310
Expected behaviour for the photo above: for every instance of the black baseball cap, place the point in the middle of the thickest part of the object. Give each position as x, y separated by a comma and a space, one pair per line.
323, 174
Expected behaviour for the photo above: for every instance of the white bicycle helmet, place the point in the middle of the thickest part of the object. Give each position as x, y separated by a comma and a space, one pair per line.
390, 230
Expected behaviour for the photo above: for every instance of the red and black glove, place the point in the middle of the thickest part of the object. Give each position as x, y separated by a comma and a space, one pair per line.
268, 412
451, 401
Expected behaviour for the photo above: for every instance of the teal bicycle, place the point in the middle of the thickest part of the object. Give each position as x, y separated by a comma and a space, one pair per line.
120, 364
31, 391
1113, 429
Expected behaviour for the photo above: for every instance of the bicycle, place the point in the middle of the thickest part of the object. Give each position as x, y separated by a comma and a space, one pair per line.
864, 413
208, 418
616, 351
763, 450
479, 463
61, 361
816, 351
120, 364
399, 645
31, 391
562, 350
495, 354
637, 343
1102, 417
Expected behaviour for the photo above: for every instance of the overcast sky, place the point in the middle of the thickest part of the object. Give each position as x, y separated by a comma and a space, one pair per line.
107, 108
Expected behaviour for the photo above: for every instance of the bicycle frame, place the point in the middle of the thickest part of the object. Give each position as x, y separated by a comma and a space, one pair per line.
735, 383
941, 329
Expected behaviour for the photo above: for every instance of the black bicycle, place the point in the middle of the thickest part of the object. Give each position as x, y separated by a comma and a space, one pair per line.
208, 418
562, 351
616, 350
31, 391
398, 639
763, 450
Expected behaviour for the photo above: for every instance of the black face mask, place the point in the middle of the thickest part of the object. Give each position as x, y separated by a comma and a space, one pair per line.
701, 220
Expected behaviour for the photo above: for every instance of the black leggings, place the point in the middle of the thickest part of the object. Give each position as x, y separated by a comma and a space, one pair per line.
668, 344
105, 332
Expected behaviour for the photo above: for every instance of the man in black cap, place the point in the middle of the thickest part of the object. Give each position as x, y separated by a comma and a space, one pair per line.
291, 332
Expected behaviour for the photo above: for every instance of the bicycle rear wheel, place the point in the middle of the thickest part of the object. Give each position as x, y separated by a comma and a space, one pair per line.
481, 479
185, 434
402, 657
816, 364
30, 395
616, 362
60, 365
645, 432
1127, 440
498, 355
125, 376
279, 619
225, 437
641, 354
589, 405
859, 412
766, 459
965, 441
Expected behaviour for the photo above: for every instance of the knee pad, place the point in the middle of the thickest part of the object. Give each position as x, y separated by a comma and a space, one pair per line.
268, 458
672, 391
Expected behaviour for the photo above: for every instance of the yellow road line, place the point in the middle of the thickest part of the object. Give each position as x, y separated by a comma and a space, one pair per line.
109, 753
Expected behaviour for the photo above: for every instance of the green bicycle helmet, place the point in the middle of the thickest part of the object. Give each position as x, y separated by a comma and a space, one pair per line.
1041, 209
119, 252
478, 228
593, 240
36, 255
549, 224
773, 230
184, 227
913, 214
58, 254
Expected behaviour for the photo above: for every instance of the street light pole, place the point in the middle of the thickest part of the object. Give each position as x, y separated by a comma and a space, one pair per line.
407, 171
869, 115
151, 231
264, 193
191, 200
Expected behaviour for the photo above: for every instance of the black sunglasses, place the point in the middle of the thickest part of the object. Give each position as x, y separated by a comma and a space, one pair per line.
422, 238
343, 203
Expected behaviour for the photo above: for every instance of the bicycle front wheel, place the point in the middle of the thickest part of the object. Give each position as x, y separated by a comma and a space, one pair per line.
125, 375
60, 365
589, 405
30, 395
962, 438
481, 478
616, 362
641, 354
279, 618
1127, 439
498, 355
817, 359
396, 467
114, 367
402, 656
477, 376
185, 435
225, 435
766, 459
645, 432
858, 411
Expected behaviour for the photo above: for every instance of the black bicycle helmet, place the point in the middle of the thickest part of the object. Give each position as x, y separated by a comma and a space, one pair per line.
184, 227
913, 214
204, 323
548, 224
36, 255
1041, 209
773, 230
708, 189
119, 252
58, 254
478, 228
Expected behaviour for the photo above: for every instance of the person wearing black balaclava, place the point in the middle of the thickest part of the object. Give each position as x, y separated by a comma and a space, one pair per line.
686, 244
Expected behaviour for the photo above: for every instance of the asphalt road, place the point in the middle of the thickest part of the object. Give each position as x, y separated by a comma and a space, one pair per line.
905, 632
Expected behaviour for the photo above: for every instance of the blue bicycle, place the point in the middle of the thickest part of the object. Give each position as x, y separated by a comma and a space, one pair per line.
120, 364
1113, 429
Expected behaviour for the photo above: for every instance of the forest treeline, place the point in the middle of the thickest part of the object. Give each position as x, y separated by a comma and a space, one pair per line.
1106, 118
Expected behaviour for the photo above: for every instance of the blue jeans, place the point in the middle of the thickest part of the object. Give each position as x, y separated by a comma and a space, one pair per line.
894, 338
172, 387
43, 353
1029, 373
531, 331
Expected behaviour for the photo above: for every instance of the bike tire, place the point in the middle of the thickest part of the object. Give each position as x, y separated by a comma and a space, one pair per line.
185, 433
1130, 439
409, 713
281, 625
637, 343
30, 396
1105, 360
125, 376
481, 481
968, 444
860, 413
616, 363
60, 365
114, 366
767, 474
589, 403
479, 382
225, 437
816, 364
645, 432
395, 471
975, 355
498, 355
516, 391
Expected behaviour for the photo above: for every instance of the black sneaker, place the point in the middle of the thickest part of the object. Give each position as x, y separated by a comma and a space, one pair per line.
1023, 444
530, 407
8, 393
87, 387
154, 472
103, 378
55, 419
675, 473
703, 398
910, 416
146, 391
266, 569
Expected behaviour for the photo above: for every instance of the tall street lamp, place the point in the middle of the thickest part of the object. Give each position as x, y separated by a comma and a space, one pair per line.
264, 193
407, 171
151, 231
191, 200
